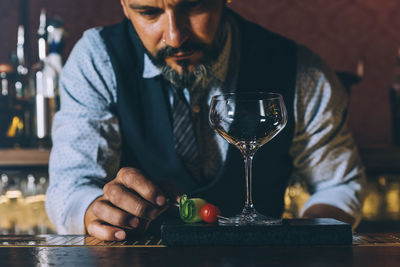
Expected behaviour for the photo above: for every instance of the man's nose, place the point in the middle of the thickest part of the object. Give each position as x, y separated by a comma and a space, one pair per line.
176, 32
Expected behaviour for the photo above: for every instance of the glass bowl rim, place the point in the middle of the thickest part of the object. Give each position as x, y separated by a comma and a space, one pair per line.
268, 96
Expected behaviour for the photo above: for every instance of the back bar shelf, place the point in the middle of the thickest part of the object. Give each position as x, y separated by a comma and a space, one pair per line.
24, 157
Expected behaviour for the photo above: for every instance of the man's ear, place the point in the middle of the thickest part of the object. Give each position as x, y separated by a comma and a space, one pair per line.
124, 8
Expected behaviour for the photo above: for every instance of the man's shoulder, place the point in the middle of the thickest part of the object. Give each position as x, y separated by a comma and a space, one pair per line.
90, 46
88, 58
310, 62
92, 37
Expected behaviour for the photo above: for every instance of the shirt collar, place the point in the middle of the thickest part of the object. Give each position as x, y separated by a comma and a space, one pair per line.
149, 69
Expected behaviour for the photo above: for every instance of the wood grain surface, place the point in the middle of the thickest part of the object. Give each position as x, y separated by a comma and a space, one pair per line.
114, 254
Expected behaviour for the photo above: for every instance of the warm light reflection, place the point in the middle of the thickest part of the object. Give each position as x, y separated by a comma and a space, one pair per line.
393, 201
382, 198
372, 205
296, 196
13, 194
21, 215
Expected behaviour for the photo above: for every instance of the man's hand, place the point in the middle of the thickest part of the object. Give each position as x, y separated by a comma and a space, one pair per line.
130, 202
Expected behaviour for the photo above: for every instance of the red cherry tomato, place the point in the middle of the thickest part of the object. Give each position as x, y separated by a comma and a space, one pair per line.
210, 213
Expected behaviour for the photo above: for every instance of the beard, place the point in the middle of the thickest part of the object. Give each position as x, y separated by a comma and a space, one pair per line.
188, 78
200, 74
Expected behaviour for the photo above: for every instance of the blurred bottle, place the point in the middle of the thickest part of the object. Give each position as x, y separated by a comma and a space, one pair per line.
392, 198
5, 74
395, 103
3, 184
14, 102
296, 196
5, 225
22, 204
21, 80
44, 225
12, 111
45, 75
35, 197
5, 82
31, 215
374, 206
55, 42
15, 208
22, 94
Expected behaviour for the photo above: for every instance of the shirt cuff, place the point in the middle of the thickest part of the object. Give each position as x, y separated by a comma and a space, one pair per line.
343, 197
80, 202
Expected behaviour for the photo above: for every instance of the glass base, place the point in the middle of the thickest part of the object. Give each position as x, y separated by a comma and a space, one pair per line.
248, 217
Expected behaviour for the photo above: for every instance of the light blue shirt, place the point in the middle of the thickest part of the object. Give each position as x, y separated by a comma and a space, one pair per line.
87, 140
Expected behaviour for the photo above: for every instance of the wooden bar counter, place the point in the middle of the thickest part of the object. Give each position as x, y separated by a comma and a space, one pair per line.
57, 250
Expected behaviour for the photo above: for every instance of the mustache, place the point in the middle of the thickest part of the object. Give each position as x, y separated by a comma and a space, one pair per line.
185, 48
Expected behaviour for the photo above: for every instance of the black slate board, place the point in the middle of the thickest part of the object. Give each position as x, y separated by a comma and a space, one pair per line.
289, 232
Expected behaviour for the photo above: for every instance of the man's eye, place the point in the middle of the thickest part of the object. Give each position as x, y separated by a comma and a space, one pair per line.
150, 13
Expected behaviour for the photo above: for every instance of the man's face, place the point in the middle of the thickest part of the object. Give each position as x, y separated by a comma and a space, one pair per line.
179, 33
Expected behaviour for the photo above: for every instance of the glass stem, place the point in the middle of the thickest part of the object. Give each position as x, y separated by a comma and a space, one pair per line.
248, 161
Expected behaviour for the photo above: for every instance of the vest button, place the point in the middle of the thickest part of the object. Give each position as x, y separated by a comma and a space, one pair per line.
196, 109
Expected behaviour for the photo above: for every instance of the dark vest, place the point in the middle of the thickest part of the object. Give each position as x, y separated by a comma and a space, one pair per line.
267, 63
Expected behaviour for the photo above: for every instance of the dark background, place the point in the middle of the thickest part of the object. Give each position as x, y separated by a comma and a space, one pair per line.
341, 31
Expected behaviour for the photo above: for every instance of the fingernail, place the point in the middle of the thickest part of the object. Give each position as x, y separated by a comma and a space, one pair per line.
160, 200
134, 222
120, 235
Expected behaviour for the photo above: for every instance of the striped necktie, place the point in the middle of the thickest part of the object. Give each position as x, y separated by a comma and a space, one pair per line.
185, 135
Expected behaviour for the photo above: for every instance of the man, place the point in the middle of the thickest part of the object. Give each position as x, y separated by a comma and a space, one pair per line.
126, 143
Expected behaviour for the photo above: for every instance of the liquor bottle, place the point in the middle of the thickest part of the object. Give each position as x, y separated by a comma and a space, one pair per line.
55, 42
395, 103
45, 84
5, 74
53, 62
12, 126
21, 69
20, 97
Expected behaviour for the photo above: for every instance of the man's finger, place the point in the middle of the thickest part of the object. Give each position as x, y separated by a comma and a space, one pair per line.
105, 232
135, 180
124, 199
108, 213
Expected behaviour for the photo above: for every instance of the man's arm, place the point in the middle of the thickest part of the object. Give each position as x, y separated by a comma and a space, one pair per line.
87, 192
86, 138
323, 150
